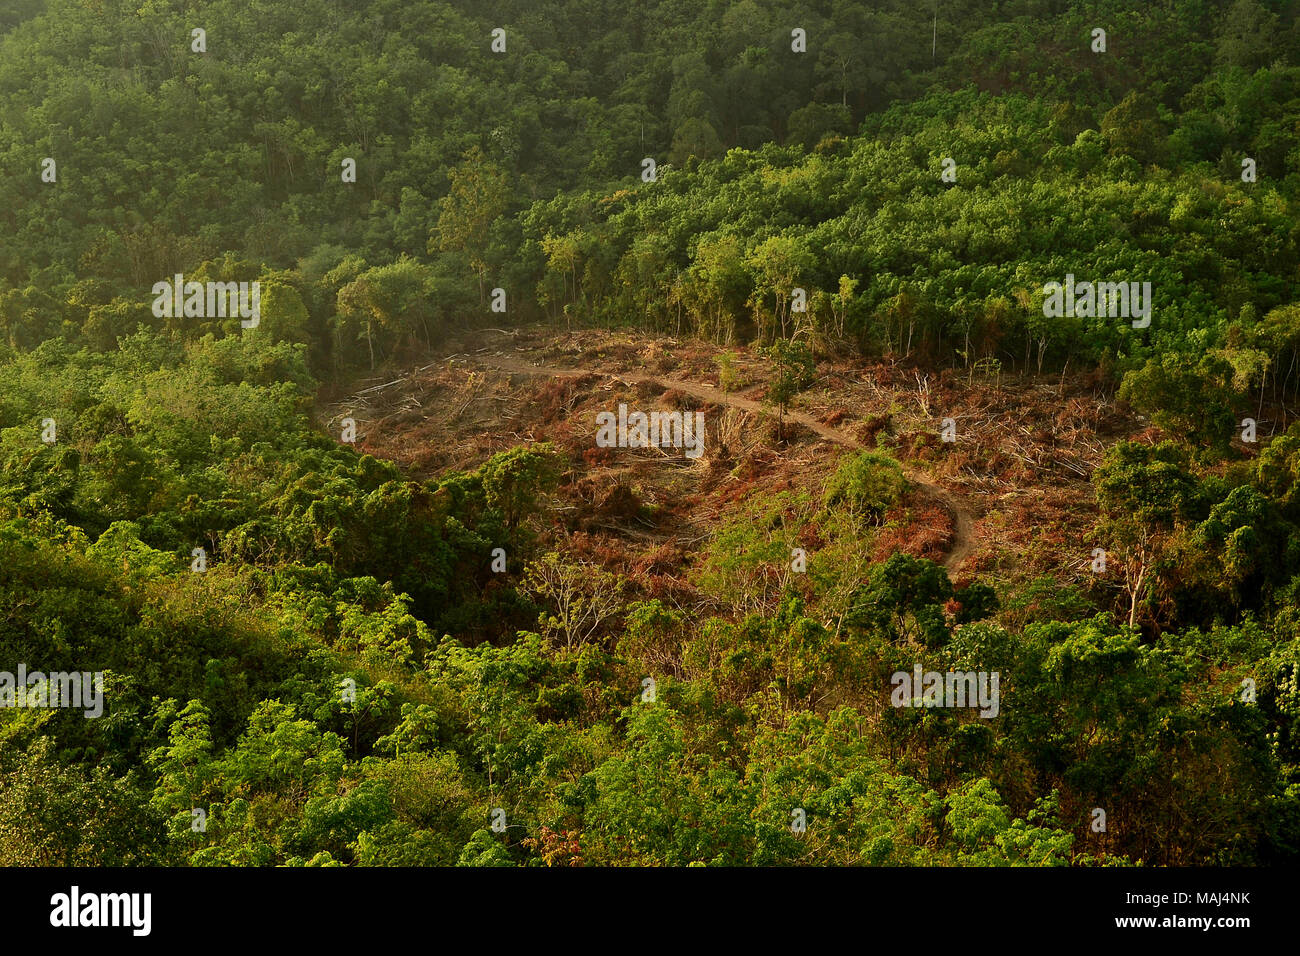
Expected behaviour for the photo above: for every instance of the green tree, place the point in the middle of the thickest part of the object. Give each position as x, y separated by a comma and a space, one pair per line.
792, 371
1133, 128
904, 597
478, 196
1191, 399
867, 484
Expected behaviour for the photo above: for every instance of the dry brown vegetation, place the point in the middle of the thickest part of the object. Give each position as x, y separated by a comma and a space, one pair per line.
1018, 472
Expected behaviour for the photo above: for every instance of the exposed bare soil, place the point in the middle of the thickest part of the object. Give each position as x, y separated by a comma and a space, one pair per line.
1009, 499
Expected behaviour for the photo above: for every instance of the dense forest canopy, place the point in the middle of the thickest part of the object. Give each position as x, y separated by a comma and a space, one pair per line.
524, 168
348, 676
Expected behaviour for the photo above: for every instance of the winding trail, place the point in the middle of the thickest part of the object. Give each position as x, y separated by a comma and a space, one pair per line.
963, 525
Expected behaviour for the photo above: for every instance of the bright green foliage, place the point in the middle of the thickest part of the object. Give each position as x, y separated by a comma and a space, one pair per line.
866, 484
1193, 401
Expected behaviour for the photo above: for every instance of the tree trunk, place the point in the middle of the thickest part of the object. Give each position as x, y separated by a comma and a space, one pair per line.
1135, 594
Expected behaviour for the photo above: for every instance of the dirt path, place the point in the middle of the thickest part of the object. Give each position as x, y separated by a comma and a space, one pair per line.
963, 527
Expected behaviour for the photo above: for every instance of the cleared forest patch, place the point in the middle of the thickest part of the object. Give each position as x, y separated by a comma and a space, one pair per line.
1010, 498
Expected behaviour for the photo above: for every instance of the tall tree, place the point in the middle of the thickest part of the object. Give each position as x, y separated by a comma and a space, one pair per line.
478, 197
